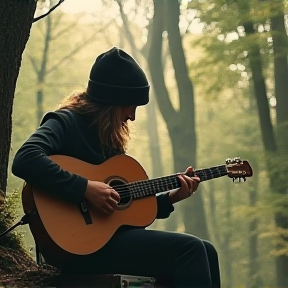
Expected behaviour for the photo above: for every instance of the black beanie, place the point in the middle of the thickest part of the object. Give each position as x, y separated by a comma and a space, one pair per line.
116, 79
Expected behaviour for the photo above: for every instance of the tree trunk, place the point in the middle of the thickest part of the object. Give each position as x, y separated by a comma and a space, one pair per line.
258, 80
14, 35
185, 153
181, 122
280, 48
274, 151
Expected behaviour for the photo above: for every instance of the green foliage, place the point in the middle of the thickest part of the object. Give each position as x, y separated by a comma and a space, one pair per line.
8, 216
226, 42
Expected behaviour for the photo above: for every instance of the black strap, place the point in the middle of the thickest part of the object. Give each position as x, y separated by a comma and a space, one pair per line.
85, 212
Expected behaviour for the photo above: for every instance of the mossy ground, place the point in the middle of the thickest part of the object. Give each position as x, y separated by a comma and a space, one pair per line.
19, 270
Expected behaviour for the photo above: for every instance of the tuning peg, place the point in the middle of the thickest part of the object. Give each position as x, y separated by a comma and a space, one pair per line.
237, 160
234, 160
228, 161
237, 180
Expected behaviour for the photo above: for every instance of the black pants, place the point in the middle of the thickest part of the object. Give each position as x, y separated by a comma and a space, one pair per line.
181, 259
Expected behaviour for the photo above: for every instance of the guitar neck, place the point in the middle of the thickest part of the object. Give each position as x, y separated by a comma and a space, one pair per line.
150, 187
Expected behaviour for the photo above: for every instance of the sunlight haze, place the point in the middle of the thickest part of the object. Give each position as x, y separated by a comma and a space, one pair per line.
77, 6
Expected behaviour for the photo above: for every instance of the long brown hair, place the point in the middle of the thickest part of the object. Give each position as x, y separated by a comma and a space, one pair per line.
113, 132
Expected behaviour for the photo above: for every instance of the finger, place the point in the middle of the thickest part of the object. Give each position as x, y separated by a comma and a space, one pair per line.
183, 181
187, 184
195, 183
196, 179
111, 202
108, 209
115, 195
104, 209
189, 181
189, 171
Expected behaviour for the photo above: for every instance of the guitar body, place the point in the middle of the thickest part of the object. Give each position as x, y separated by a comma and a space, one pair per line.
63, 222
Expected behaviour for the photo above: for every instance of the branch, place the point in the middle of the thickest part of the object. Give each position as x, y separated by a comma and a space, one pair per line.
33, 62
50, 10
74, 51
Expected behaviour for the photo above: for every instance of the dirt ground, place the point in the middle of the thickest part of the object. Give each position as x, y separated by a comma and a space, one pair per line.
18, 270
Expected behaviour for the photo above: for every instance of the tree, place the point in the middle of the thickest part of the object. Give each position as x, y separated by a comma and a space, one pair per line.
181, 119
13, 36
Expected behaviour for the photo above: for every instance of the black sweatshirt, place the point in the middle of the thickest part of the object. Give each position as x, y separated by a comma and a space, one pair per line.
65, 132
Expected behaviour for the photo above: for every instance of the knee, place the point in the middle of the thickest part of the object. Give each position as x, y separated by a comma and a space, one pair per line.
210, 249
194, 243
193, 251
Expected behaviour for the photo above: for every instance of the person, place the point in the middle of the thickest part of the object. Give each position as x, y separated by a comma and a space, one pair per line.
93, 126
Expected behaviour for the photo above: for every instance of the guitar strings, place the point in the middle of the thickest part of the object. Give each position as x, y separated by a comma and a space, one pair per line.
205, 176
169, 182
166, 181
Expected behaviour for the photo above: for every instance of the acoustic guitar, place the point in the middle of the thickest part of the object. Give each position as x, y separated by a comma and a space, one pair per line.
81, 229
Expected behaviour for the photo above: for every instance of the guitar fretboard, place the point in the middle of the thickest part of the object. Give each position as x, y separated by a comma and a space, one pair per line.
150, 187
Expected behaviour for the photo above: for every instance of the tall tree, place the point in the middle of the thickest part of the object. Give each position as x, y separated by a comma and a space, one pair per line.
180, 122
13, 38
15, 25
278, 178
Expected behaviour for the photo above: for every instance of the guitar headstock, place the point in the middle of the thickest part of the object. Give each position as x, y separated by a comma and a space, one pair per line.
238, 169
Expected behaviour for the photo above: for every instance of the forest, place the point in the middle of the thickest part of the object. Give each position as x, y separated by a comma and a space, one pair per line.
218, 72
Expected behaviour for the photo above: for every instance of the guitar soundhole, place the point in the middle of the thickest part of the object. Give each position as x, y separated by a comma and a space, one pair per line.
123, 191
